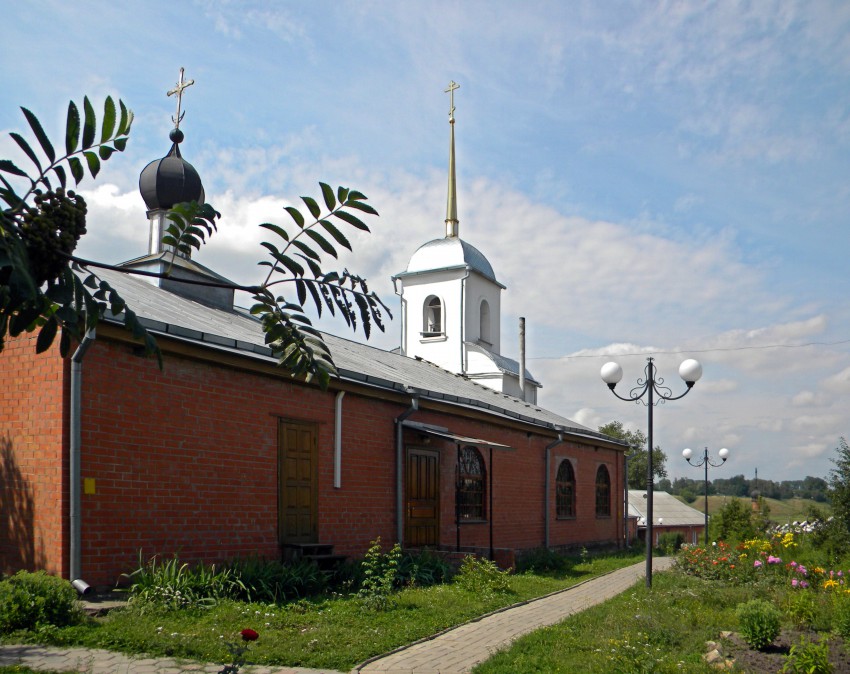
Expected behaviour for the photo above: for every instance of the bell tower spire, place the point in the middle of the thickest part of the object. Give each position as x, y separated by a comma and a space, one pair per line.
451, 205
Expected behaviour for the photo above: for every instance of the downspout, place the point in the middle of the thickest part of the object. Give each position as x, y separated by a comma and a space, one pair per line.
626, 459
338, 440
74, 453
548, 487
399, 464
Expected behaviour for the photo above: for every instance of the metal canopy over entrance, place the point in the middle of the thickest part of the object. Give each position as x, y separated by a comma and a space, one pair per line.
440, 432
463, 441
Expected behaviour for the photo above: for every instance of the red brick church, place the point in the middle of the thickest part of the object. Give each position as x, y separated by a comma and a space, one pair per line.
222, 453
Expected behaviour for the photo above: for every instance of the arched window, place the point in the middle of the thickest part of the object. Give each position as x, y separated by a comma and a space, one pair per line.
470, 485
484, 322
603, 492
565, 490
432, 323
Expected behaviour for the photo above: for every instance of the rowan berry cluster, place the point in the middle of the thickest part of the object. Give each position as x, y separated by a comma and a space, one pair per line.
51, 229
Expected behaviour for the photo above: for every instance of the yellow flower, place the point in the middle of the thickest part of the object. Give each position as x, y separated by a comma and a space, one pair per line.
829, 584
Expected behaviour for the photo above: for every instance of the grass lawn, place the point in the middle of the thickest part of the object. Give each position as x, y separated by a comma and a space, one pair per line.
659, 630
334, 633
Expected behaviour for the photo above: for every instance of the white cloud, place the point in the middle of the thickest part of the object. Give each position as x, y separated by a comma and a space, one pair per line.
839, 382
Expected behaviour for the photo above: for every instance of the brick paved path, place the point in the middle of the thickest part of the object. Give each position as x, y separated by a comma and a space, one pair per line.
97, 661
455, 651
458, 650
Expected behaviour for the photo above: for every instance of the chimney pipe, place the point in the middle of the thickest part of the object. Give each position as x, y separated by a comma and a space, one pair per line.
522, 358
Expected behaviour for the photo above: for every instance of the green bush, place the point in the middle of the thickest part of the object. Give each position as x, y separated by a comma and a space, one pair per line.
688, 495
733, 522
482, 576
758, 622
807, 657
422, 569
274, 581
670, 541
30, 600
542, 560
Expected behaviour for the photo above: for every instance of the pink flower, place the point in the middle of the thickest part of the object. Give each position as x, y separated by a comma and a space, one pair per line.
757, 563
795, 582
773, 560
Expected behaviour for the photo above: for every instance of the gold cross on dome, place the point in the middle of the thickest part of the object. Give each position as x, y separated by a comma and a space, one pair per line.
451, 92
181, 85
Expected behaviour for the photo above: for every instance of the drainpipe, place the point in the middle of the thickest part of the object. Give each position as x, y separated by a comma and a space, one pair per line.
548, 482
74, 456
399, 464
338, 440
626, 459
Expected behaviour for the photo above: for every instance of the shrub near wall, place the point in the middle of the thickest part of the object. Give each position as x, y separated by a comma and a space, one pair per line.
30, 600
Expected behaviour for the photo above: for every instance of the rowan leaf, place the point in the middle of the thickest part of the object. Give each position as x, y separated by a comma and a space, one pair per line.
43, 140
352, 220
89, 124
72, 129
328, 194
312, 206
93, 162
27, 149
108, 120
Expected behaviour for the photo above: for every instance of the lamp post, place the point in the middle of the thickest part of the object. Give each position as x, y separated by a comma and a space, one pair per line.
706, 461
650, 386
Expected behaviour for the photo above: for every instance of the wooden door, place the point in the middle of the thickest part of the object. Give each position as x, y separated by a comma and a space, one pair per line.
422, 486
298, 482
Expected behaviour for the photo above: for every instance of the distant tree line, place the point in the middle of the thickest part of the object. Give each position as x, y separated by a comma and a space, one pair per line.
813, 488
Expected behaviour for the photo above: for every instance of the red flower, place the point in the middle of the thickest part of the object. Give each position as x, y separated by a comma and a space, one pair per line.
249, 635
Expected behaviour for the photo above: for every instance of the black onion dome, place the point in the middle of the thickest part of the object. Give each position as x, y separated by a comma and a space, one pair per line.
170, 180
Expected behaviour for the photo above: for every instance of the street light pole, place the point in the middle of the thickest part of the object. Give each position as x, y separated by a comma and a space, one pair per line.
706, 461
690, 371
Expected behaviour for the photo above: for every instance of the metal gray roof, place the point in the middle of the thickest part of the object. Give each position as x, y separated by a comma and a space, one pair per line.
503, 363
448, 253
236, 331
665, 506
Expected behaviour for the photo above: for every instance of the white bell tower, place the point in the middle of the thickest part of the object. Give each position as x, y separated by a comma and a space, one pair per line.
451, 303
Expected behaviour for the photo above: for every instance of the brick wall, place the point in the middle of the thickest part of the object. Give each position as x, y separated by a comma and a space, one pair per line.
33, 468
519, 489
185, 461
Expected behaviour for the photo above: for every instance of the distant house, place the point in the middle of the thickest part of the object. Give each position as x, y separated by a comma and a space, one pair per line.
103, 456
670, 515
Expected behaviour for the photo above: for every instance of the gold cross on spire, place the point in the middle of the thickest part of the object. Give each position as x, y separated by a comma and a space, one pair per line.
181, 85
451, 92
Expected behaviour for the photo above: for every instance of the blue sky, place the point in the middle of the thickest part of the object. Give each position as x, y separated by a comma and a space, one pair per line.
646, 178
